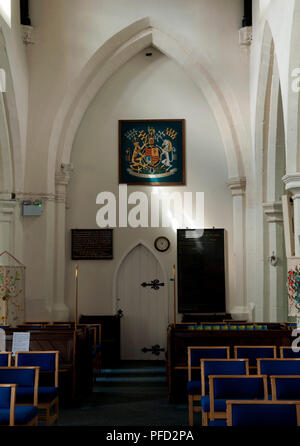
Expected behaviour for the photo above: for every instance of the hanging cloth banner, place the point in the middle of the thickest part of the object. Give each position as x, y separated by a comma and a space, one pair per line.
293, 286
12, 291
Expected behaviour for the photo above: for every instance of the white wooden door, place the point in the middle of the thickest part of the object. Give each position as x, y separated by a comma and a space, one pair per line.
145, 310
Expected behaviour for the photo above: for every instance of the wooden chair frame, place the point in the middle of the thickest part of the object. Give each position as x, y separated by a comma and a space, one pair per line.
273, 359
54, 404
193, 398
281, 352
236, 347
229, 404
9, 354
205, 415
221, 415
12, 402
273, 384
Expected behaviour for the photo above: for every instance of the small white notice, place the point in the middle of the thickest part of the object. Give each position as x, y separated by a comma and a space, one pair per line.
21, 342
2, 340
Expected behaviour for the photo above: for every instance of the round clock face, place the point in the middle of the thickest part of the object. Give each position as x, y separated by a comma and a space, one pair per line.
162, 244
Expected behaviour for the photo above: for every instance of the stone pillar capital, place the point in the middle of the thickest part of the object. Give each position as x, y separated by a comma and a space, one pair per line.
273, 212
292, 184
62, 179
237, 186
63, 176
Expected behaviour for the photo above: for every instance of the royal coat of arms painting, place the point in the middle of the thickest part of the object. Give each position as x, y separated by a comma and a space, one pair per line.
152, 152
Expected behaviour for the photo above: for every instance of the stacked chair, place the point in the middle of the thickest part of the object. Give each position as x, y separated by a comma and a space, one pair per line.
194, 387
48, 397
263, 413
5, 359
254, 388
19, 395
10, 414
252, 353
239, 387
212, 367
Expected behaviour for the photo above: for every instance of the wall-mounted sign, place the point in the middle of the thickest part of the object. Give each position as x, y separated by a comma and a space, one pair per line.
92, 244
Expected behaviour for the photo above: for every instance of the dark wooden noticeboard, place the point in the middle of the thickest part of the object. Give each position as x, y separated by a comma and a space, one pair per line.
201, 271
92, 244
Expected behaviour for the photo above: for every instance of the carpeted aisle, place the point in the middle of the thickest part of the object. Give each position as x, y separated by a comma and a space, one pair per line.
136, 394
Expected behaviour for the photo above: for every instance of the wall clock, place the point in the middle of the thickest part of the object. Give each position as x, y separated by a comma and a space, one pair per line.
162, 244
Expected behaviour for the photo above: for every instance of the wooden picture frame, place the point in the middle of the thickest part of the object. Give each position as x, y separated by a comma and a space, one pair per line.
152, 152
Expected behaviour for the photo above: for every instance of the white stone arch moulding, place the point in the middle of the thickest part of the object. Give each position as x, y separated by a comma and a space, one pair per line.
11, 157
122, 260
293, 105
110, 57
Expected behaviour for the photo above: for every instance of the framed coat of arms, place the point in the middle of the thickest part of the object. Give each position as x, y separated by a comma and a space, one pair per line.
152, 152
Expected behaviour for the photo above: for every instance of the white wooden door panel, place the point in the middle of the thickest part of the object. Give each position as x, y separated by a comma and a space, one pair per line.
145, 310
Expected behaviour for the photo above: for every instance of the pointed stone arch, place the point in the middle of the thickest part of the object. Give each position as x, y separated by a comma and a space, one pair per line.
293, 100
110, 57
11, 158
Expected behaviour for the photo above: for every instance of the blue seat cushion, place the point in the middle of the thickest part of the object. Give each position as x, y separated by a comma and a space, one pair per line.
47, 394
220, 405
23, 415
194, 387
216, 423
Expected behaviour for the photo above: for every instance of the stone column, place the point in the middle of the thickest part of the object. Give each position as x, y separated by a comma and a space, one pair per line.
292, 184
237, 187
276, 270
60, 311
10, 227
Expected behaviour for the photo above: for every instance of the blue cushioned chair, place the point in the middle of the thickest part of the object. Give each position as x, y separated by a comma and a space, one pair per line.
252, 353
48, 398
5, 359
218, 367
278, 367
263, 413
230, 387
195, 354
27, 380
288, 352
10, 414
285, 387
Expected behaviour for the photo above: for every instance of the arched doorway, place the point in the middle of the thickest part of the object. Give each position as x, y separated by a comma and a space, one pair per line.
144, 307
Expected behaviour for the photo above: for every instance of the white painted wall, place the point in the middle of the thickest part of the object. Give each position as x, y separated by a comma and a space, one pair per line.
144, 88
68, 32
